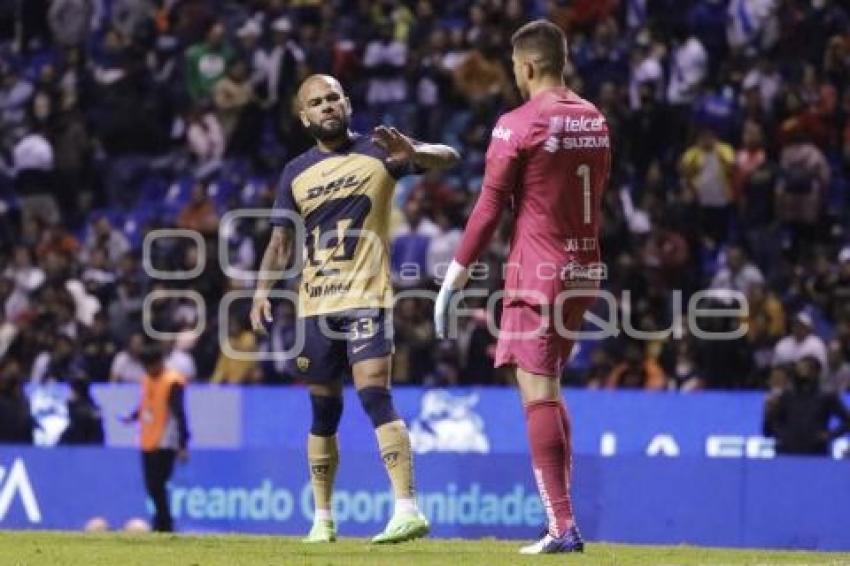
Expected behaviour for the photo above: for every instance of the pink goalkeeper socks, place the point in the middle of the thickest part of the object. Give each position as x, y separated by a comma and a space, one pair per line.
551, 456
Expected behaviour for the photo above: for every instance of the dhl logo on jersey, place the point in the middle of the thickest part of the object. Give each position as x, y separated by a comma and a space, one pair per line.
348, 182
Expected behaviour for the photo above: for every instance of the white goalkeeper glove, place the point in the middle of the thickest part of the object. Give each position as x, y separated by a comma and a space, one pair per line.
454, 281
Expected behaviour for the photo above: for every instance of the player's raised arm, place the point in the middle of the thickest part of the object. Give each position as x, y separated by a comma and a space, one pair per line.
500, 177
275, 259
403, 149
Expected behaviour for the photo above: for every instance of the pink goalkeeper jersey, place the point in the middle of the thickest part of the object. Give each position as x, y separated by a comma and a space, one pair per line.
550, 160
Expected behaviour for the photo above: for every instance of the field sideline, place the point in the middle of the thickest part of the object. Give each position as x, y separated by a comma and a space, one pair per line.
66, 549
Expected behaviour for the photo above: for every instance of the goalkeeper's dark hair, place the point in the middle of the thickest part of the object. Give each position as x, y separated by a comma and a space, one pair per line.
546, 42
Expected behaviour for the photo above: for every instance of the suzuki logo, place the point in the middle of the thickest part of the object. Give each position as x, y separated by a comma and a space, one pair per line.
17, 482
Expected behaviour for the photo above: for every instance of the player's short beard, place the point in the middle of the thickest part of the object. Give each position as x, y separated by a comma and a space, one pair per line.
326, 133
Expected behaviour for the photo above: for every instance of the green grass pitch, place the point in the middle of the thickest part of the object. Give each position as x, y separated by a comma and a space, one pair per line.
73, 549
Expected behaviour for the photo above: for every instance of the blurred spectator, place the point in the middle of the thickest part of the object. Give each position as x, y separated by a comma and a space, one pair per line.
819, 283
281, 338
800, 418
599, 369
72, 148
285, 66
446, 371
738, 274
838, 370
646, 123
424, 23
286, 70
801, 188
410, 243
480, 77
15, 95
70, 21
752, 25
16, 421
56, 248
98, 278
199, 214
415, 342
636, 371
8, 331
685, 368
688, 67
85, 422
442, 246
839, 289
104, 236
754, 178
232, 95
605, 56
181, 361
800, 344
646, 75
765, 326
127, 365
456, 50
478, 350
98, 348
706, 168
32, 159
251, 51
125, 310
15, 302
749, 157
205, 138
385, 60
26, 276
666, 254
724, 361
318, 45
432, 82
131, 17
764, 82
207, 62
62, 363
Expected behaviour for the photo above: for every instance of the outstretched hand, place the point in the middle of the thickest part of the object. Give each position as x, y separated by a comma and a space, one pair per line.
399, 146
261, 312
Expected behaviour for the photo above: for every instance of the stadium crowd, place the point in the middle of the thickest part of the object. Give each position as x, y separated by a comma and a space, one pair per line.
732, 152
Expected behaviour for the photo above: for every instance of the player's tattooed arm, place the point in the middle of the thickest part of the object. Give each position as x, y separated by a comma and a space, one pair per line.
275, 259
434, 156
402, 149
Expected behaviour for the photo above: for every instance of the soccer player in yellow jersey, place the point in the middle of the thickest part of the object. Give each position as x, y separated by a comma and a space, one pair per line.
340, 191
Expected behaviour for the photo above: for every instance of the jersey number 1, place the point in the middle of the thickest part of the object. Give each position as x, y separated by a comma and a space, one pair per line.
583, 171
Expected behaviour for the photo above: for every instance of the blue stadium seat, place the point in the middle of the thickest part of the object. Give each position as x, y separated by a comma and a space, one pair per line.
152, 189
176, 198
136, 221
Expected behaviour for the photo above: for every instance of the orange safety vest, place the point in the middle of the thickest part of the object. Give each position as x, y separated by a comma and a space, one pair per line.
153, 410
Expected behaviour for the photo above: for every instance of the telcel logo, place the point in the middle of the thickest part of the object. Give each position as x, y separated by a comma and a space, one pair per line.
17, 482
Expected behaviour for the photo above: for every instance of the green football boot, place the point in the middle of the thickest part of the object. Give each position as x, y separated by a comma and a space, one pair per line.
403, 527
323, 530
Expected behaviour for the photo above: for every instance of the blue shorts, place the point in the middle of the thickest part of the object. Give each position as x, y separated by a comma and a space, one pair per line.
334, 342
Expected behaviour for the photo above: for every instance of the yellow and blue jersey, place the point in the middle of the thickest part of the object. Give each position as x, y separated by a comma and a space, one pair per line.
344, 198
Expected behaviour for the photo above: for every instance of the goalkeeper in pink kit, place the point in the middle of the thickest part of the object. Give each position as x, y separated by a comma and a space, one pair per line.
549, 161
